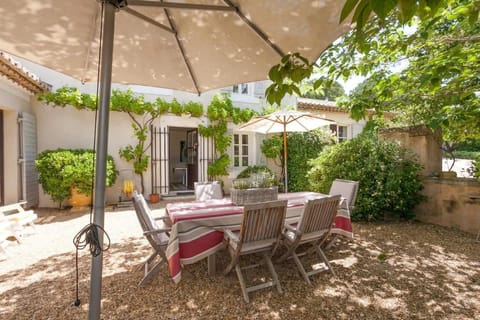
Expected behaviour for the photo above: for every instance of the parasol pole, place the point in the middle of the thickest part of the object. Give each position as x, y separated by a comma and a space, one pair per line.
285, 155
105, 80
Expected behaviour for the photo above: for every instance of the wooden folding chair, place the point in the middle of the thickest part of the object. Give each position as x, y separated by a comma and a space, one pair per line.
260, 232
313, 227
208, 190
157, 233
348, 189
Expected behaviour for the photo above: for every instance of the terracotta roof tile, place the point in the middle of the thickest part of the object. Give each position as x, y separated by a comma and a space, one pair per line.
14, 71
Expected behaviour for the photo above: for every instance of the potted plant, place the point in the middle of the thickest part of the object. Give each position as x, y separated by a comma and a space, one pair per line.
258, 187
154, 197
68, 173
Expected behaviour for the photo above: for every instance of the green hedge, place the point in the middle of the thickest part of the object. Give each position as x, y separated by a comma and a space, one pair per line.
459, 154
61, 169
388, 176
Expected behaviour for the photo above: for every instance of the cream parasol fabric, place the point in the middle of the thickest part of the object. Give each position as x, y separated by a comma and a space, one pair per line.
285, 121
189, 45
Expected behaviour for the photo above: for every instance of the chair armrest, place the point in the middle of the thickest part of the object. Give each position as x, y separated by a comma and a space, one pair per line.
161, 218
293, 229
166, 220
232, 236
156, 231
159, 214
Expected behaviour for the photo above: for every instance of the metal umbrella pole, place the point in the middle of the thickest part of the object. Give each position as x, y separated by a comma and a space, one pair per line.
106, 55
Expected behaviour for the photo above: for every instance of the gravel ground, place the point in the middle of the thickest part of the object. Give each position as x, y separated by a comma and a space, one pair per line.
391, 270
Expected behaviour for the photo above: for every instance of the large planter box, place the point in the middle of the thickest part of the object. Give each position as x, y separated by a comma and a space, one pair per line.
253, 195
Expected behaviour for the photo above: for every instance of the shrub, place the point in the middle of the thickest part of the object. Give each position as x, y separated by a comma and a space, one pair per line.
301, 148
61, 169
472, 155
474, 170
388, 176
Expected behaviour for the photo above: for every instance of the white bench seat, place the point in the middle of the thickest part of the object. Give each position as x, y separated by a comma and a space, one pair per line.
17, 215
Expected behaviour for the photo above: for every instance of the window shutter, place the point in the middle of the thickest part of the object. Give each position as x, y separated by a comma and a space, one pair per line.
27, 155
259, 89
227, 89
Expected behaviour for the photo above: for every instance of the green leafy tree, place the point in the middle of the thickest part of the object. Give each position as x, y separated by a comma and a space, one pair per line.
302, 147
287, 76
328, 91
142, 114
436, 80
272, 148
404, 11
380, 39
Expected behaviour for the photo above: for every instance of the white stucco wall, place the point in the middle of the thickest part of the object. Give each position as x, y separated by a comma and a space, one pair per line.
70, 128
13, 99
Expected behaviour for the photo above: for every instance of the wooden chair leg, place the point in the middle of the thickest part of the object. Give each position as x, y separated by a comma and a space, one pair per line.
300, 268
276, 282
287, 254
231, 265
324, 258
331, 242
148, 260
243, 285
150, 273
212, 268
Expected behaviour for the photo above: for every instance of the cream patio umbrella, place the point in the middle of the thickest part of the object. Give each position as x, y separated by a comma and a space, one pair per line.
285, 121
189, 45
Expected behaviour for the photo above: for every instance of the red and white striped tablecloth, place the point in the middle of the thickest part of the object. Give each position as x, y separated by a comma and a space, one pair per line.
198, 226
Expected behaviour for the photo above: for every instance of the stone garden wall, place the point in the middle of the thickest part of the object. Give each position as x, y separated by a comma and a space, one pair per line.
451, 202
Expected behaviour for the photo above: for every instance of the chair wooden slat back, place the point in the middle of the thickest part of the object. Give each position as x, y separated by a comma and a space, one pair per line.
208, 190
263, 221
147, 222
315, 224
260, 233
347, 188
319, 214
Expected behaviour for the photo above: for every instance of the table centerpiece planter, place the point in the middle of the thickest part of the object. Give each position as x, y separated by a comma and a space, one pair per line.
253, 195
259, 188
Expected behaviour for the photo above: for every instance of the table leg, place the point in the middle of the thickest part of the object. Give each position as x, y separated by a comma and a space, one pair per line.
211, 265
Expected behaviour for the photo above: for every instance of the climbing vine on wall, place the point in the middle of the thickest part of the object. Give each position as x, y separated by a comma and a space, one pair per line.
220, 112
142, 114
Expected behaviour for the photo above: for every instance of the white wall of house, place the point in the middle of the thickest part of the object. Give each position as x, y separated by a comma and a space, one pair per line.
13, 99
66, 127
69, 128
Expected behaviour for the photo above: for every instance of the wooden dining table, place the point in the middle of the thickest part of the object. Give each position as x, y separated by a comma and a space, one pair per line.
198, 226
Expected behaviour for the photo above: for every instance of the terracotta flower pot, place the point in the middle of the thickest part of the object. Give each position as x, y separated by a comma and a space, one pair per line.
79, 200
154, 198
